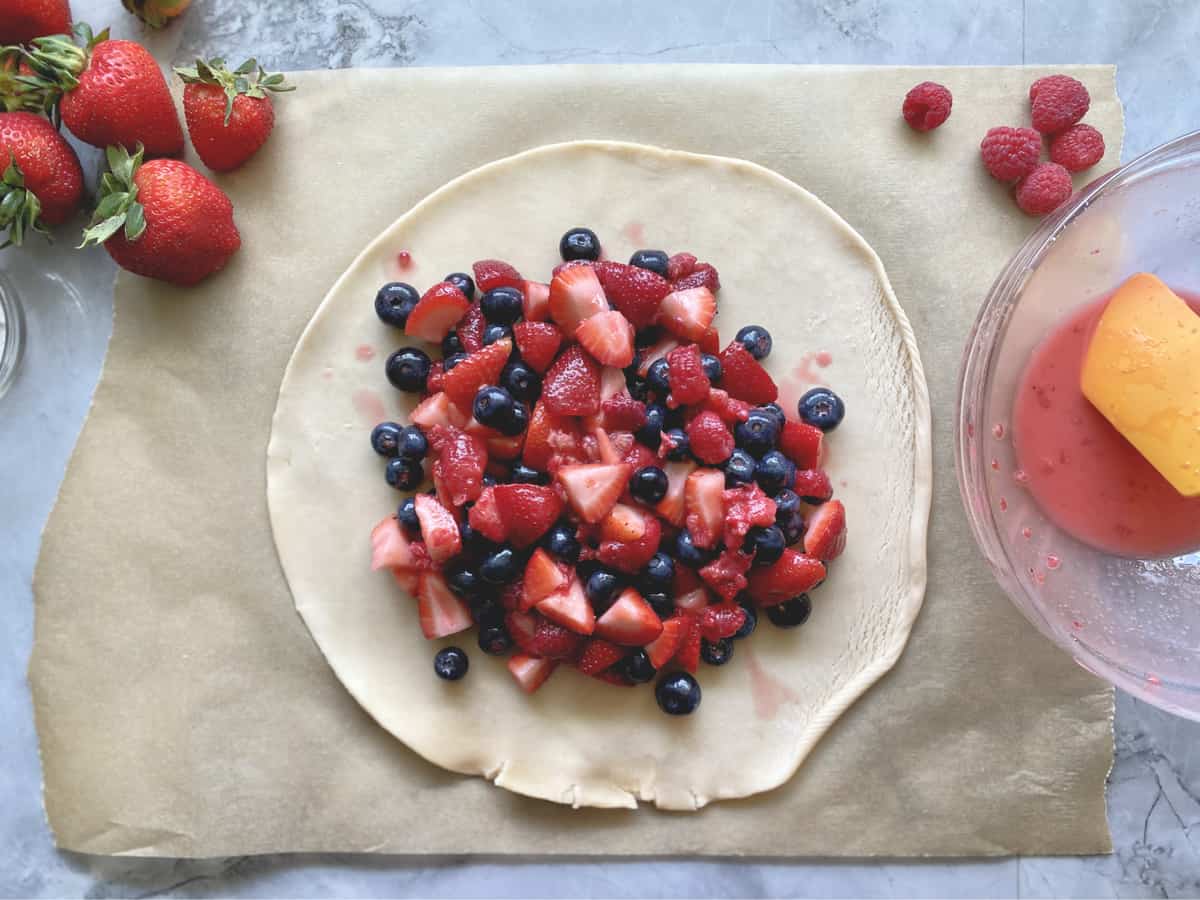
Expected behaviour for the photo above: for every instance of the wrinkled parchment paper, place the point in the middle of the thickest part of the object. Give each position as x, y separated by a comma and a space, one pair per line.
182, 707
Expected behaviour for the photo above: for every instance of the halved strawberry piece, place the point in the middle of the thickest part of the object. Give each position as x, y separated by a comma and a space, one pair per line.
492, 273
694, 600
801, 443
439, 529
702, 276
470, 328
550, 436
501, 446
575, 295
705, 503
686, 376
746, 505
593, 489
485, 517
710, 341
680, 265
624, 523
688, 655
688, 313
535, 634
598, 655
710, 439
826, 535
458, 467
793, 574
666, 645
671, 506
438, 310
729, 410
572, 386
439, 610
437, 409
744, 378
634, 291
608, 337
479, 368
390, 548
722, 620
536, 307
409, 582
631, 556
528, 511
530, 672
538, 343
727, 573
436, 378
543, 576
638, 455
813, 486
629, 621
655, 352
569, 608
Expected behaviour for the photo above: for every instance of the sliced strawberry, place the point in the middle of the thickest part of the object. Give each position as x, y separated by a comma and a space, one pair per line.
629, 621
572, 386
438, 310
614, 678
599, 448
729, 410
813, 486
825, 537
792, 575
530, 672
680, 265
439, 610
569, 608
409, 582
685, 580
666, 645
575, 295
710, 438
535, 634
538, 343
688, 313
470, 328
686, 376
505, 447
551, 437
625, 524
436, 379
390, 549
438, 410
702, 276
528, 511
705, 503
655, 352
672, 506
744, 378
631, 556
608, 337
479, 368
623, 413
543, 576
593, 489
439, 529
801, 443
598, 655
536, 307
513, 594
458, 468
727, 573
722, 620
492, 273
638, 455
745, 506
694, 600
634, 291
688, 655
710, 341
485, 517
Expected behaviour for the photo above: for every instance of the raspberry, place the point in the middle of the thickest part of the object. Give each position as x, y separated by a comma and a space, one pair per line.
1079, 147
709, 438
1044, 189
1058, 101
721, 620
1010, 153
681, 265
703, 275
927, 106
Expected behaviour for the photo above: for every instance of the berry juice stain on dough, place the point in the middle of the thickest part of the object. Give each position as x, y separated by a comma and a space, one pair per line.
369, 405
635, 233
364, 353
767, 691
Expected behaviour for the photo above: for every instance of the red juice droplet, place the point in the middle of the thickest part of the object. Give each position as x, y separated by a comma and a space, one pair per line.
1053, 562
824, 359
404, 260
996, 464
998, 431
1027, 532
1003, 505
364, 353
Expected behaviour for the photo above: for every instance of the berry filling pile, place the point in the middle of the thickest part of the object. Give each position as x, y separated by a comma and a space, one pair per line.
612, 490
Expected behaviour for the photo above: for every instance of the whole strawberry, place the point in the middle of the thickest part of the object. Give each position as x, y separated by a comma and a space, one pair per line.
162, 219
229, 114
42, 182
156, 13
23, 20
112, 92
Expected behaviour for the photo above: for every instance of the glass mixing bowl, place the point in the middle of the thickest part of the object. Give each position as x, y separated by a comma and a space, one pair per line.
1133, 622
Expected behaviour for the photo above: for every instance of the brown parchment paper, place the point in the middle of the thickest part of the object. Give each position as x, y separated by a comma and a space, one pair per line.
181, 705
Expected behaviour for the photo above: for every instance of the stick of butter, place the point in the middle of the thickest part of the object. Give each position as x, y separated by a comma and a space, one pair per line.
1142, 372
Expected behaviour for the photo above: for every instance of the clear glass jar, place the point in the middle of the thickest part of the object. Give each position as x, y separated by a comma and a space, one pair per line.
12, 333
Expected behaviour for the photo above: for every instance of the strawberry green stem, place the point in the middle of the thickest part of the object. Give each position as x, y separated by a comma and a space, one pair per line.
117, 207
249, 78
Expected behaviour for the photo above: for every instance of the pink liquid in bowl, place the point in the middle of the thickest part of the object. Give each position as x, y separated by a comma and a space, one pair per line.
1084, 475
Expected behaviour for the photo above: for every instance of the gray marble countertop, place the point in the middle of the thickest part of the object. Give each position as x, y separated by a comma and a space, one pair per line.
1154, 790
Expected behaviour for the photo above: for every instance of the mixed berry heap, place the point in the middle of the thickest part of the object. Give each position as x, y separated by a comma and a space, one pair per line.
611, 489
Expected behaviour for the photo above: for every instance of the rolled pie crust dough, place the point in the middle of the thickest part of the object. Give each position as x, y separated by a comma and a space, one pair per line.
788, 262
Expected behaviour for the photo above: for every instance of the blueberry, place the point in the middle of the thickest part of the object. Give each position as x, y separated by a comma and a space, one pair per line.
662, 604
450, 663
739, 468
516, 421
385, 438
412, 443
716, 653
451, 344
774, 472
523, 474
492, 405
687, 552
637, 667
495, 332
452, 360
756, 340
650, 433
821, 407
586, 567
601, 588
775, 411
494, 639
579, 243
638, 386
712, 367
485, 608
758, 434
403, 474
648, 484
463, 282
488, 479
679, 444
654, 260
407, 514
677, 693
463, 580
408, 368
394, 303
521, 381
502, 305
658, 376
750, 623
767, 544
499, 567
788, 515
790, 613
658, 574
475, 545
561, 541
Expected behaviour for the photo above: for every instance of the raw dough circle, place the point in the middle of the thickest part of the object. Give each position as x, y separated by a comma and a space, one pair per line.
788, 262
